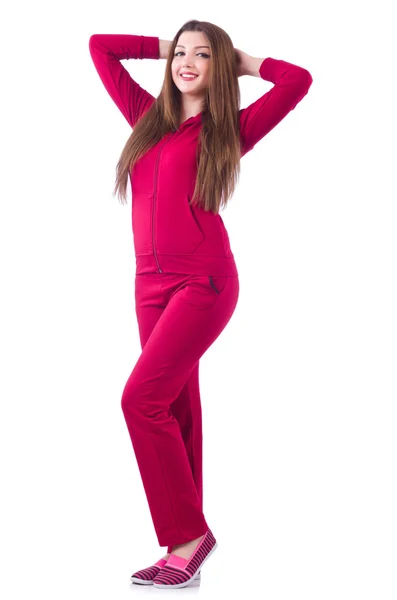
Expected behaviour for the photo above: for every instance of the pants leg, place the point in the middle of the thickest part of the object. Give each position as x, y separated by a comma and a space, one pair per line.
150, 305
187, 411
195, 310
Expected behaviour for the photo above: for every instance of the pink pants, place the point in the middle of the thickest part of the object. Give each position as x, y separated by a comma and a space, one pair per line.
179, 317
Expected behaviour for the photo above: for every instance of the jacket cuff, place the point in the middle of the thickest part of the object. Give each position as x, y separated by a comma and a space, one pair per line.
150, 47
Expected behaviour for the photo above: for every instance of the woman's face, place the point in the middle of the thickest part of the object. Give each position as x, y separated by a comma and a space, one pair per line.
189, 57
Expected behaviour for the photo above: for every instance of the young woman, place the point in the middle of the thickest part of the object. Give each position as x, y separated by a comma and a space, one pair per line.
183, 161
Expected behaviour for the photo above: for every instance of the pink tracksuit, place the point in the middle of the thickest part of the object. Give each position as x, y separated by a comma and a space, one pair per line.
186, 282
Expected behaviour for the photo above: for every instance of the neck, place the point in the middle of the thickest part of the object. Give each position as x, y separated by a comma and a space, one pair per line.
191, 109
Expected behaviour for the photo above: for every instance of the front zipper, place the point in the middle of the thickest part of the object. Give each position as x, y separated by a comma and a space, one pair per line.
154, 200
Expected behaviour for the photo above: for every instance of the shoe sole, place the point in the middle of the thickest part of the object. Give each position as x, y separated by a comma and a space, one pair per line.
150, 581
185, 583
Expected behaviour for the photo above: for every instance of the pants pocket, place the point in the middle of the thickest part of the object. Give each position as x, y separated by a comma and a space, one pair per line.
217, 282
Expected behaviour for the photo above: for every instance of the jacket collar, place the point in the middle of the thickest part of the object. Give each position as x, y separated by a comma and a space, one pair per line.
190, 121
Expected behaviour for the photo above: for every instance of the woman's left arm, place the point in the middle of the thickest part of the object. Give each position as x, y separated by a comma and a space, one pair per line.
291, 84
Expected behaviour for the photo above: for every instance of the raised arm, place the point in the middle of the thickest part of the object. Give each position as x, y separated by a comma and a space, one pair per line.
291, 84
107, 50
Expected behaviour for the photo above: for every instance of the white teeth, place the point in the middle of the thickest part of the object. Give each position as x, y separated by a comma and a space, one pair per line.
188, 76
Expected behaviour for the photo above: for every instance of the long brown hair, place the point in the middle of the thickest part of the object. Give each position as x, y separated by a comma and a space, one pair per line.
218, 148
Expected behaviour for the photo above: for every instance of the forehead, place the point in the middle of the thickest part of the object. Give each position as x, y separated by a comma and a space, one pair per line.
189, 39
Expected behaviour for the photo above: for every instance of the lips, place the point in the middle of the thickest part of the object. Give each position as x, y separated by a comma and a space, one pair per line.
187, 73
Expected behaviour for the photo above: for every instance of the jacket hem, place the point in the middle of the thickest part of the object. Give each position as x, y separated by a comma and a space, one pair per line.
186, 264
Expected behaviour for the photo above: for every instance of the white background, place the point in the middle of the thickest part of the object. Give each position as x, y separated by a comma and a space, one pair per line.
298, 392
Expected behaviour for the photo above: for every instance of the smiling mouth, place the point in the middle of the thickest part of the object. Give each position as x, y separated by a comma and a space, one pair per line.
188, 78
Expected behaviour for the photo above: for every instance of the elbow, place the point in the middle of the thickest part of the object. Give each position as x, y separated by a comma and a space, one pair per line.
92, 41
301, 87
307, 79
300, 80
302, 83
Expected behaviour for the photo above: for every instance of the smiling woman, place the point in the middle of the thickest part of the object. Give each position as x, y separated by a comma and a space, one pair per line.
226, 132
183, 160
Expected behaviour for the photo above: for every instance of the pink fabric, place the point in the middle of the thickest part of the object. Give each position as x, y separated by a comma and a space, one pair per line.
170, 234
179, 317
177, 561
161, 562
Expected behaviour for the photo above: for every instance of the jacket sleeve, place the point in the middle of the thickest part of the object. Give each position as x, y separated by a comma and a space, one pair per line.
107, 50
291, 84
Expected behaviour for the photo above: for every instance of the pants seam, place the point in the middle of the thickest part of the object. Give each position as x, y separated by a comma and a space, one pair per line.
192, 428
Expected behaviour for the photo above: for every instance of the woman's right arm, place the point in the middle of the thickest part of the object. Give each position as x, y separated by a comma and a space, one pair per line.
107, 50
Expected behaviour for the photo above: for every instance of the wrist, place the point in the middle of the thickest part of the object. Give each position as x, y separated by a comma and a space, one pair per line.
251, 66
164, 46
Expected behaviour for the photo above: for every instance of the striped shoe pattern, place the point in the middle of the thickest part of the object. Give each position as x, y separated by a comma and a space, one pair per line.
146, 576
179, 572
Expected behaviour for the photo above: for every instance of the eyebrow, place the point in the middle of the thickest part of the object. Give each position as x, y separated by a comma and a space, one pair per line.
195, 47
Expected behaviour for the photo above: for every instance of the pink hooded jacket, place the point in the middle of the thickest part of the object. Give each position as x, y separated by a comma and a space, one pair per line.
170, 236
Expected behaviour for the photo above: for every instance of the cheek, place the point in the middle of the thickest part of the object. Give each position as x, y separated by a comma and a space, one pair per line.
205, 78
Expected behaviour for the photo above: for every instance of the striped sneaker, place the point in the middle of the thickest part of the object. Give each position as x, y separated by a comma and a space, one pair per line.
179, 572
146, 576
